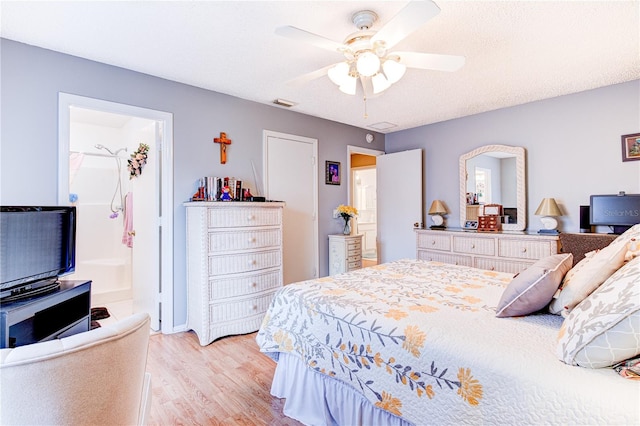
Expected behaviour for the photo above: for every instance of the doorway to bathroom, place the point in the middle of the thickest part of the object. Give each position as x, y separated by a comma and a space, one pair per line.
363, 196
122, 203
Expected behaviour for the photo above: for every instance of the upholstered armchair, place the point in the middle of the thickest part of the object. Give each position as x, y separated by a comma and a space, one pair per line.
91, 378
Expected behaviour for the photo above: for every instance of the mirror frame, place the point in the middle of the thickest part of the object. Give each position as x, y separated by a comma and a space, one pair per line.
521, 197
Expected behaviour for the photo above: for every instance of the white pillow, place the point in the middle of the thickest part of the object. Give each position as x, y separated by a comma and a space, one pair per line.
604, 329
592, 271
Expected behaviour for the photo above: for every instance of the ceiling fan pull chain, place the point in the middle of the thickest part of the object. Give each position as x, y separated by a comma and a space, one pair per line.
364, 98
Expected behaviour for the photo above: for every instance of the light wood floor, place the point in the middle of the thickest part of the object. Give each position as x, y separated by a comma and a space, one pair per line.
224, 383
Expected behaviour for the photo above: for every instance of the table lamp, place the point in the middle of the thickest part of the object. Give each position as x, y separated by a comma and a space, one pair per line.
548, 208
436, 211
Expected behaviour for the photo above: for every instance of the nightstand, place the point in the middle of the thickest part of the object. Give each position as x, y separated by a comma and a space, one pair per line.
345, 253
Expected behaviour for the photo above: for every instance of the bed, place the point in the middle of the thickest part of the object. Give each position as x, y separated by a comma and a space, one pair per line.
412, 342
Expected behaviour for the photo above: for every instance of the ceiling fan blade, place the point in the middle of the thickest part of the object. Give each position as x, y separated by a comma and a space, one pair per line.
305, 78
413, 16
310, 38
430, 61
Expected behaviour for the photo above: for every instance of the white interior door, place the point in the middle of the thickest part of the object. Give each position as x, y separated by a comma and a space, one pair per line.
291, 175
146, 239
399, 185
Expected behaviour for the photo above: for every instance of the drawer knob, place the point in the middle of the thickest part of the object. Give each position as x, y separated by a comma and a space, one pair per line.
524, 250
493, 268
252, 262
473, 246
252, 240
254, 307
254, 285
433, 242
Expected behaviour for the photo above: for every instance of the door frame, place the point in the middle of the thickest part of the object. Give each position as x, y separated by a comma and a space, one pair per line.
352, 149
165, 219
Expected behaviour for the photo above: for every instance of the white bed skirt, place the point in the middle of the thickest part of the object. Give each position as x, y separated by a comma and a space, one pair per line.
318, 400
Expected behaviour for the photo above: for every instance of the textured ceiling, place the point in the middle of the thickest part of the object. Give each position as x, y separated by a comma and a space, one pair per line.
516, 51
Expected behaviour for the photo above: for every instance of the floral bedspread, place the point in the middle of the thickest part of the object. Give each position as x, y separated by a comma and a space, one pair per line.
396, 332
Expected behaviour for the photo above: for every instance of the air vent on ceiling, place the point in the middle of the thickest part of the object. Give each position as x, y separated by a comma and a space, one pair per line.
383, 125
284, 103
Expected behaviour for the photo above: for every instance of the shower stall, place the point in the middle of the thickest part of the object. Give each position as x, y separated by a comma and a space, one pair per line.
98, 186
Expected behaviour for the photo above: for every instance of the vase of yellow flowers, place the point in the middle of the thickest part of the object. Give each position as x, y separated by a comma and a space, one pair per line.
346, 212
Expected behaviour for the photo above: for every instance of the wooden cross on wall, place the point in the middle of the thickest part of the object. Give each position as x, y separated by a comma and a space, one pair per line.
223, 141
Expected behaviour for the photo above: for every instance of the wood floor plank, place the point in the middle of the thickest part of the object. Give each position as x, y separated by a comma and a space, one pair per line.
225, 383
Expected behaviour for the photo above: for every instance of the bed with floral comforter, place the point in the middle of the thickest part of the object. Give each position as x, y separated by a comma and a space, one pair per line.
420, 342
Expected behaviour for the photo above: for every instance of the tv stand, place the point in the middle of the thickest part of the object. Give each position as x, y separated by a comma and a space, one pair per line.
59, 313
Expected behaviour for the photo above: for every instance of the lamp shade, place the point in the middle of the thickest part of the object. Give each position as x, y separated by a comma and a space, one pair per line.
380, 83
348, 86
437, 207
393, 70
548, 207
368, 64
339, 73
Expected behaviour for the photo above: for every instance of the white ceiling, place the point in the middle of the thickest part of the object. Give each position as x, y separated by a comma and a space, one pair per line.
516, 51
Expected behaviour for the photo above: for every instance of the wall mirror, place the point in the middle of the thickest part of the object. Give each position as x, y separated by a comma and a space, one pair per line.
494, 174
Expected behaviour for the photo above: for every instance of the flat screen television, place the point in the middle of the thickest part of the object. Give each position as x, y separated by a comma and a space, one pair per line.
620, 212
37, 245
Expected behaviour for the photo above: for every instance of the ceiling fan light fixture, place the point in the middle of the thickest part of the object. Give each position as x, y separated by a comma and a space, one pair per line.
349, 85
339, 73
380, 83
394, 70
368, 64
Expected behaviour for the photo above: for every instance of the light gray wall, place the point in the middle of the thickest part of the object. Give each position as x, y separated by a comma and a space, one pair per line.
572, 142
32, 77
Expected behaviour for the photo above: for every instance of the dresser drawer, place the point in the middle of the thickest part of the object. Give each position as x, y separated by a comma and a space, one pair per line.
500, 265
241, 308
354, 244
481, 246
354, 252
230, 217
434, 242
435, 256
354, 264
526, 249
243, 284
244, 262
243, 240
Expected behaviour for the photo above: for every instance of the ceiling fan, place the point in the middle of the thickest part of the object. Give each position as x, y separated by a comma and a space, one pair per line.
368, 55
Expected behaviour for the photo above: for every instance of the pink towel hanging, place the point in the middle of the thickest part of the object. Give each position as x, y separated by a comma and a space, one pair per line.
127, 234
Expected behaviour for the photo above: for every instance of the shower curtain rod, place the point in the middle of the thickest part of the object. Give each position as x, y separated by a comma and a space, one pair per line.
98, 154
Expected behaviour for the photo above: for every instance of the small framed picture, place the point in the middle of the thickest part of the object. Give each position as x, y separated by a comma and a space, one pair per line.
332, 173
631, 147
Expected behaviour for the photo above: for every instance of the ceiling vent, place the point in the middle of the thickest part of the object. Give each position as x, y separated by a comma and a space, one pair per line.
284, 103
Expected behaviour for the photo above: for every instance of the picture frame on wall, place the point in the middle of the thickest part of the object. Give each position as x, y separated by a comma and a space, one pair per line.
332, 173
631, 147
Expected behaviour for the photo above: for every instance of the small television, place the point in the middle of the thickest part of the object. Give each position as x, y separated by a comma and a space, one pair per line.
620, 212
37, 245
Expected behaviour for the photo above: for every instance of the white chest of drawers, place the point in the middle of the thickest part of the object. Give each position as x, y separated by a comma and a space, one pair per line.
496, 251
345, 253
234, 265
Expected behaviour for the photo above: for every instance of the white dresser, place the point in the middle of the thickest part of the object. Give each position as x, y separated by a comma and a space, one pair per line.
234, 265
495, 251
345, 253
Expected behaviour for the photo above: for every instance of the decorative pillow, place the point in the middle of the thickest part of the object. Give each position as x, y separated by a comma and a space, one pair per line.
534, 287
605, 328
592, 271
